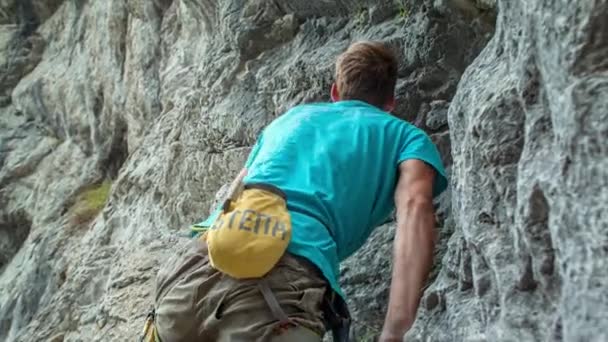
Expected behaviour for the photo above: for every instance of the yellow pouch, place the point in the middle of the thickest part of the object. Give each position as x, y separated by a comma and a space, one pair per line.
251, 234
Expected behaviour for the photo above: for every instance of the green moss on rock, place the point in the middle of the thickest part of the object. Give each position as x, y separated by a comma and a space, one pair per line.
90, 202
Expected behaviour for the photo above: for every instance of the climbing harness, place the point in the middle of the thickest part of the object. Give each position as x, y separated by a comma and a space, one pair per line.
271, 239
273, 304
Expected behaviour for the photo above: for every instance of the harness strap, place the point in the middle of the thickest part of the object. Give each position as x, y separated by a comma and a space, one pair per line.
273, 304
234, 190
338, 317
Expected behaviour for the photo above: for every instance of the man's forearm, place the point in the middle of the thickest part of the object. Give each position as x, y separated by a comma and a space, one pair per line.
412, 261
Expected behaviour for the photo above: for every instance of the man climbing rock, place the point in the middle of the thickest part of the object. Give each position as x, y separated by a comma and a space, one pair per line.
319, 179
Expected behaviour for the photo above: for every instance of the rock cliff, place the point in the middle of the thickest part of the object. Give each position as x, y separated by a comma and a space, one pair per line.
120, 119
529, 122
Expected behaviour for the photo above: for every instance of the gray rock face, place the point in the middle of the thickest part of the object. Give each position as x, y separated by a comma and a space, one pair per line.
164, 98
528, 259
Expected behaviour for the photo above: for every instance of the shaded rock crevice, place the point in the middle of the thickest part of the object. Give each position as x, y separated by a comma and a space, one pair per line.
14, 231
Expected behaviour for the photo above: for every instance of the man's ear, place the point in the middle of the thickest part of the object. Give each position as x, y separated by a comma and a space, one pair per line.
390, 105
334, 93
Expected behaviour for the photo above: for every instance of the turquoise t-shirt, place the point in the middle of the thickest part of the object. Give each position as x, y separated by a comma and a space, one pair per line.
338, 165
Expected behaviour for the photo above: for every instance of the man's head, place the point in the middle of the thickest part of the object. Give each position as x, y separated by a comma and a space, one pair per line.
366, 71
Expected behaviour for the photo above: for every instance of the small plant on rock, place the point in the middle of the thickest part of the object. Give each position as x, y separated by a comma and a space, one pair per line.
361, 17
89, 202
404, 11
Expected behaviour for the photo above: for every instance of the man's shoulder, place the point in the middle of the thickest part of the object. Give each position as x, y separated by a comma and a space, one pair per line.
410, 128
310, 107
395, 126
357, 111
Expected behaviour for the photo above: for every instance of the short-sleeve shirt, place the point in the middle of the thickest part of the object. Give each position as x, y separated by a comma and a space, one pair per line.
337, 164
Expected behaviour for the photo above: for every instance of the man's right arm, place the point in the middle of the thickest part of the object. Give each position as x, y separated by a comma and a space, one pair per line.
413, 246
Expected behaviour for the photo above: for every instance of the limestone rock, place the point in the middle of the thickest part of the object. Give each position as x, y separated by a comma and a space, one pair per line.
164, 98
528, 259
437, 116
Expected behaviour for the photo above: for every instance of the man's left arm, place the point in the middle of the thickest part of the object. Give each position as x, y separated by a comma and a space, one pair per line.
413, 246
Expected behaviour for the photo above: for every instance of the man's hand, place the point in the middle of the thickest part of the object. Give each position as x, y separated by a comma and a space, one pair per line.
413, 246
